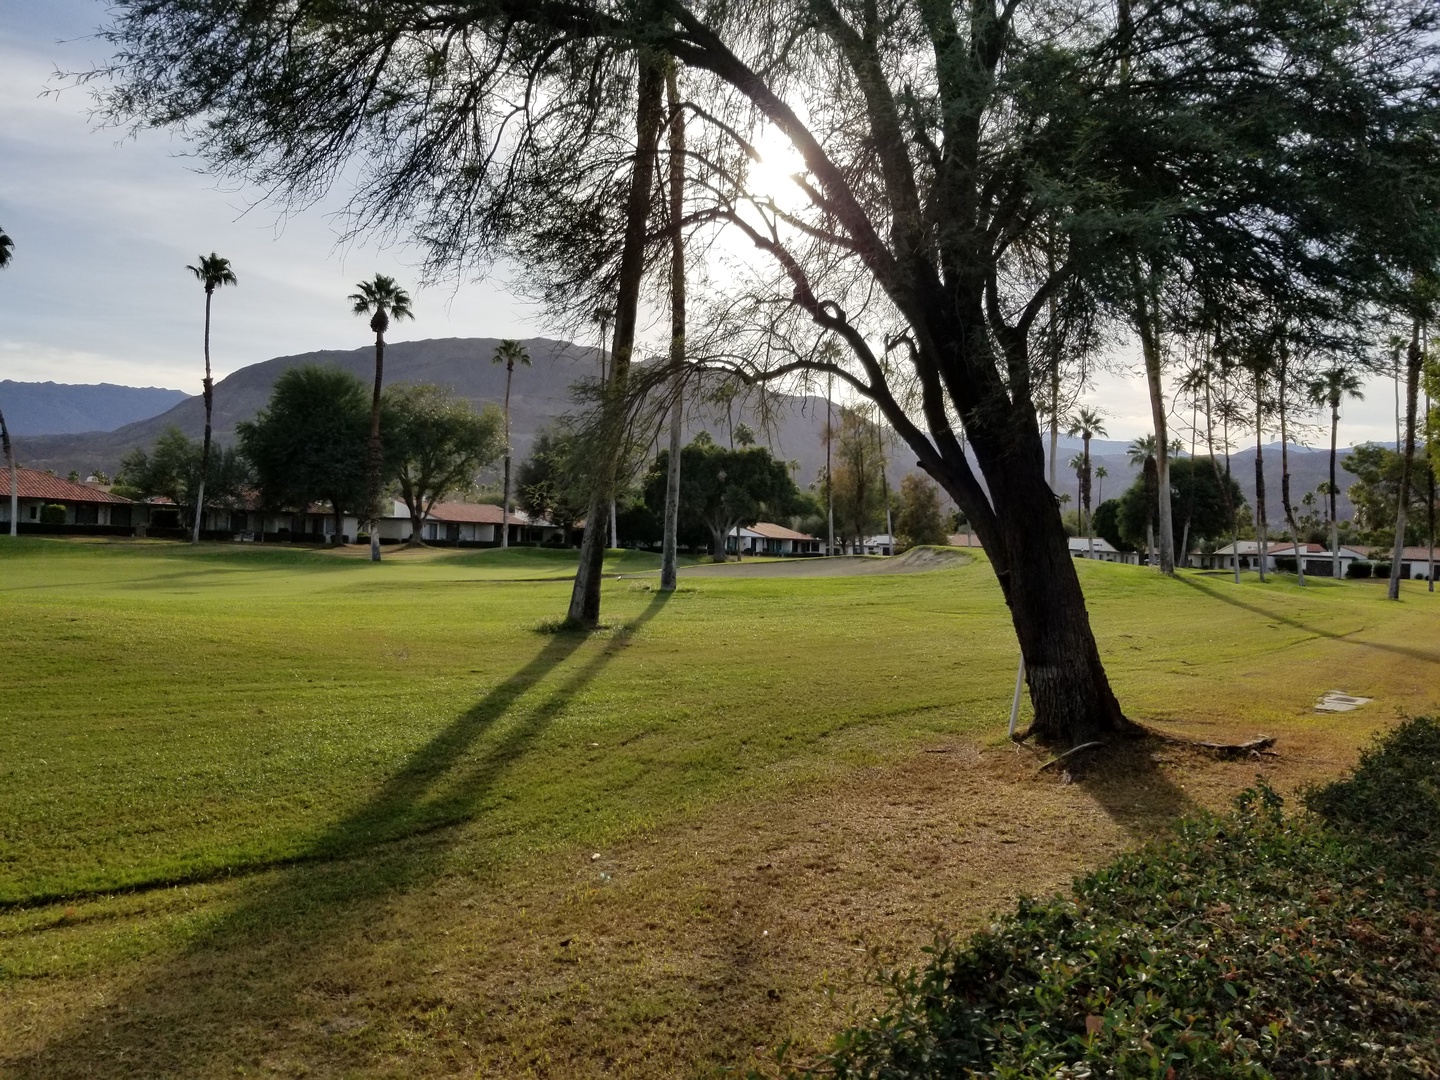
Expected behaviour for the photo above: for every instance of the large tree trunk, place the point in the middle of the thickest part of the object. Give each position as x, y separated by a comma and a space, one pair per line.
1148, 323
1407, 464
1261, 540
670, 544
208, 390
584, 610
374, 457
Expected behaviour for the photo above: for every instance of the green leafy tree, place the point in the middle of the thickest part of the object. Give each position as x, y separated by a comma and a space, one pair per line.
722, 489
856, 480
509, 352
435, 445
1137, 512
382, 300
309, 443
920, 520
546, 482
1375, 494
213, 273
7, 248
1107, 525
171, 469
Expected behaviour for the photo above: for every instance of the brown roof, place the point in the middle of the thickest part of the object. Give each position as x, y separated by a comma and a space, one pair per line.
34, 484
478, 514
964, 540
771, 531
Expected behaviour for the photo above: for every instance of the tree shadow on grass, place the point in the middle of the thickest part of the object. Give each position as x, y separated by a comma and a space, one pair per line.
1429, 656
1128, 781
214, 1008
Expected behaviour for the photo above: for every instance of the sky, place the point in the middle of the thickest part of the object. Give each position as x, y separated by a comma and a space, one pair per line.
104, 225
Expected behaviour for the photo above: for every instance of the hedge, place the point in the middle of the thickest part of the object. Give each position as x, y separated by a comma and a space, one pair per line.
1250, 944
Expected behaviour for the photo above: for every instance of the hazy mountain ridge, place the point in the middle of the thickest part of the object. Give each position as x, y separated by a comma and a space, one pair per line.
51, 408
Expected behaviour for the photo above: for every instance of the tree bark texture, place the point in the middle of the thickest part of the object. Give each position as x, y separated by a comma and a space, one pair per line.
584, 610
1148, 321
669, 548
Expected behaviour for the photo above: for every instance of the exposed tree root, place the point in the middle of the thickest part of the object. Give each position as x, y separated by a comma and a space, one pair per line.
1073, 750
1254, 747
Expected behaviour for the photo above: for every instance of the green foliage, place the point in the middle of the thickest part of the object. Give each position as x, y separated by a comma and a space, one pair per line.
920, 521
1251, 944
1107, 524
171, 470
859, 492
547, 484
308, 444
1376, 494
52, 514
1197, 492
721, 489
436, 443
1359, 568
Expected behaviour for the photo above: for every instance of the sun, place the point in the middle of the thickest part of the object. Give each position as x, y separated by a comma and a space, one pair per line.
770, 177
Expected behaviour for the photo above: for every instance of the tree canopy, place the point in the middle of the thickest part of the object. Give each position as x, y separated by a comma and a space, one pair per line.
436, 444
722, 489
171, 470
1197, 493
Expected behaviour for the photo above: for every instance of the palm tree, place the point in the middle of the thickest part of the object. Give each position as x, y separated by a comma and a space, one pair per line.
214, 273
382, 300
1329, 390
1086, 423
1100, 474
509, 352
1076, 464
7, 247
1141, 453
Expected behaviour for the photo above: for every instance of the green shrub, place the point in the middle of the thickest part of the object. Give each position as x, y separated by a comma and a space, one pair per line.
52, 514
1380, 569
1284, 564
1251, 944
1358, 569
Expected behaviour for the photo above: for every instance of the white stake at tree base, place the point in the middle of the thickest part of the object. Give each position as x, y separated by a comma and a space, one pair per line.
1015, 704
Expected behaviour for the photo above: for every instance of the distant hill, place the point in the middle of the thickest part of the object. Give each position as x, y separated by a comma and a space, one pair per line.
49, 408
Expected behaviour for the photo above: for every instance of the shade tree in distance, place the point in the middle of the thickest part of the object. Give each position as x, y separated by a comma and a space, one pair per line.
920, 520
436, 444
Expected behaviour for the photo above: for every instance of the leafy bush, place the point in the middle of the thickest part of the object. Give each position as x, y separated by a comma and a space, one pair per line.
52, 514
1250, 944
1285, 564
1380, 569
1359, 569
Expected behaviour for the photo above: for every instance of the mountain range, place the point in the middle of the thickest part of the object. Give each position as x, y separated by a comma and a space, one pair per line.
540, 393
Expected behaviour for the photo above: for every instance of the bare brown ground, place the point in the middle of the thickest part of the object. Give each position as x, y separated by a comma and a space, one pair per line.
700, 945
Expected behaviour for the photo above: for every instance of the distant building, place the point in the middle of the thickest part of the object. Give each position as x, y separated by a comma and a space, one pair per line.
87, 506
767, 538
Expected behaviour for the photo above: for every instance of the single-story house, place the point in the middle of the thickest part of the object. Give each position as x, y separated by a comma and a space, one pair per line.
84, 504
480, 523
883, 544
1104, 551
1414, 560
1319, 562
767, 538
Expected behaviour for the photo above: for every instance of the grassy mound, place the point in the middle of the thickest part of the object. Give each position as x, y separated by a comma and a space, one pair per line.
1251, 944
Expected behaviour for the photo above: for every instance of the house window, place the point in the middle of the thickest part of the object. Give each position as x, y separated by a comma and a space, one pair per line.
34, 512
120, 515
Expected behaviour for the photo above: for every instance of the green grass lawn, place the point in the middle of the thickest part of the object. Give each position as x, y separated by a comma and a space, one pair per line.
229, 714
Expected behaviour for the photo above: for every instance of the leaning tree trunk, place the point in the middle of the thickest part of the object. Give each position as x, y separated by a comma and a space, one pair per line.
669, 547
1407, 464
584, 610
208, 389
1148, 321
14, 477
374, 457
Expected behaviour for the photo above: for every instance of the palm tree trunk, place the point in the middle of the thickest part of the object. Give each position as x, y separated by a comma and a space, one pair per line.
584, 610
1261, 541
1285, 470
1334, 524
1407, 464
373, 454
669, 548
505, 497
209, 394
829, 484
1085, 497
14, 477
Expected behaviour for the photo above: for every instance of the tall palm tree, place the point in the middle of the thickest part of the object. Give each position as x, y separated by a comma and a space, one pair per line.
1141, 453
1086, 423
1100, 474
7, 248
1329, 390
214, 273
382, 300
509, 352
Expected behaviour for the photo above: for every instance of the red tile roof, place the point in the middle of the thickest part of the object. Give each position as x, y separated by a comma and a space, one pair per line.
771, 531
479, 514
34, 484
